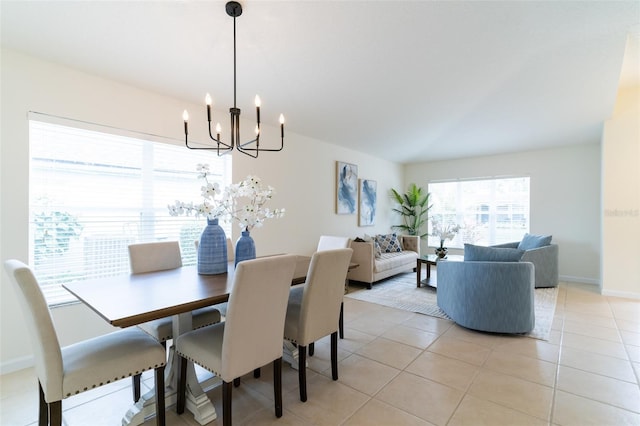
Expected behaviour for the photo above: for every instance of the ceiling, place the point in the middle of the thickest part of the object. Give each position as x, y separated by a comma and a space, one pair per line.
408, 81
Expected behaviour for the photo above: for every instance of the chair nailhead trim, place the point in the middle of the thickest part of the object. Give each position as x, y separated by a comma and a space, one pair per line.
199, 363
124, 376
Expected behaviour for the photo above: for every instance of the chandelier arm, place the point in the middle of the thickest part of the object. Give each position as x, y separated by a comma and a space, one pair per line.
218, 141
209, 148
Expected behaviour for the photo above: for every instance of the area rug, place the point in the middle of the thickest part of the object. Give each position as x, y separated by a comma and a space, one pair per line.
401, 292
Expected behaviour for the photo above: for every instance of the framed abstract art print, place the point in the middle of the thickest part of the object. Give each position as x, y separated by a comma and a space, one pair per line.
346, 188
367, 193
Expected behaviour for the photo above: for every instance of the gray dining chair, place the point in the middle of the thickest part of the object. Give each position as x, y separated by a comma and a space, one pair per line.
250, 337
161, 256
66, 371
313, 313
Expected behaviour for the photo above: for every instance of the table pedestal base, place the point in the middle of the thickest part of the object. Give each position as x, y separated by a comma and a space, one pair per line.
197, 401
290, 354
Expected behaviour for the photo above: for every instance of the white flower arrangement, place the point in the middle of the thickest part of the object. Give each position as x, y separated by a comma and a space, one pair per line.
211, 206
444, 232
243, 201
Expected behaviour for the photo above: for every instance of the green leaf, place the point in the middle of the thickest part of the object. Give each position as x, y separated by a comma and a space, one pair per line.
413, 207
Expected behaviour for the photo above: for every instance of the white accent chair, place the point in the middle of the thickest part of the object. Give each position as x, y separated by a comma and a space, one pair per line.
251, 335
313, 313
329, 242
67, 371
161, 256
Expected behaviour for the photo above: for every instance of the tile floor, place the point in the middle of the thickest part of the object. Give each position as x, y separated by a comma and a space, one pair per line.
401, 368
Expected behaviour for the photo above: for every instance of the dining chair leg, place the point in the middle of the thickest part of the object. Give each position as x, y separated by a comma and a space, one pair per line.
302, 372
55, 413
334, 355
256, 373
236, 382
312, 348
341, 320
160, 403
135, 384
277, 386
182, 385
43, 414
227, 391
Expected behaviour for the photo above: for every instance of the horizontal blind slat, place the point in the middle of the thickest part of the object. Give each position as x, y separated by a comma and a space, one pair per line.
93, 193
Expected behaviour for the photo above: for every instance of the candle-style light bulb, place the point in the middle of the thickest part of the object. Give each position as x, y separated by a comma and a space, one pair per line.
257, 130
218, 130
185, 117
282, 127
258, 102
207, 100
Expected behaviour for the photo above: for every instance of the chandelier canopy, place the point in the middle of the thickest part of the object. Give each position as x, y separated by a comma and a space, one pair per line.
252, 147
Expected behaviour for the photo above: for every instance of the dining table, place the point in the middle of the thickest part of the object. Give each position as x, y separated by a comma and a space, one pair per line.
129, 300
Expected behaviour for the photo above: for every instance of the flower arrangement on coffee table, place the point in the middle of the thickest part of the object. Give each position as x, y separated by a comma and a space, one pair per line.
443, 232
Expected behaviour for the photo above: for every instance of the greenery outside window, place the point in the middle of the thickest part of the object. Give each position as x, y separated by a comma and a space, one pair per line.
490, 211
93, 192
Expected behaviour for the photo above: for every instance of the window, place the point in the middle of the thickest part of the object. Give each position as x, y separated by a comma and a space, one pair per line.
490, 211
92, 193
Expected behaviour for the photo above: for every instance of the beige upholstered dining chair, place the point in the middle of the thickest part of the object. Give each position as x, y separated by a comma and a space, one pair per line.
250, 337
161, 256
330, 242
67, 371
313, 313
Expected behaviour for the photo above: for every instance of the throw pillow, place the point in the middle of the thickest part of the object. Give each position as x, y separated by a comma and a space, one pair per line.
388, 243
491, 254
530, 241
377, 251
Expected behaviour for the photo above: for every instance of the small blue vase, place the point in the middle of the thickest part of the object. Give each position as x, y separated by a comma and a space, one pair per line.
245, 248
212, 249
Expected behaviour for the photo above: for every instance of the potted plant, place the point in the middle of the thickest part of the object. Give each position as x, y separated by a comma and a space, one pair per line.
414, 206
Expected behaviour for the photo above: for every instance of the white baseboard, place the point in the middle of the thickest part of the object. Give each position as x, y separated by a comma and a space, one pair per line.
572, 279
623, 294
16, 364
604, 291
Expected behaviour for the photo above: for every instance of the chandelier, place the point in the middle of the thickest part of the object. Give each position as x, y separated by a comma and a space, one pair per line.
252, 147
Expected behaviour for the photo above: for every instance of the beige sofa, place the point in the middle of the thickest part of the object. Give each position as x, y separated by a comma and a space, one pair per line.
371, 269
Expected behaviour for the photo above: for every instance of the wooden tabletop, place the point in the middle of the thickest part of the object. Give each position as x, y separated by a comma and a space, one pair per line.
128, 300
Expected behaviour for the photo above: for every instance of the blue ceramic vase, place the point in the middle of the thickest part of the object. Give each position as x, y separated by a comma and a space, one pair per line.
245, 248
212, 249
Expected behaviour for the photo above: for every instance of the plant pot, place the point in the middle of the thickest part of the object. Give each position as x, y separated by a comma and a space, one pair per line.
441, 252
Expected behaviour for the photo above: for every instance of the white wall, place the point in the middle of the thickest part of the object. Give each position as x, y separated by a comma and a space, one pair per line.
303, 175
621, 197
565, 197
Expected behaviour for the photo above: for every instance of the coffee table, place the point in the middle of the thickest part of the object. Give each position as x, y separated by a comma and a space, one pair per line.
432, 259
